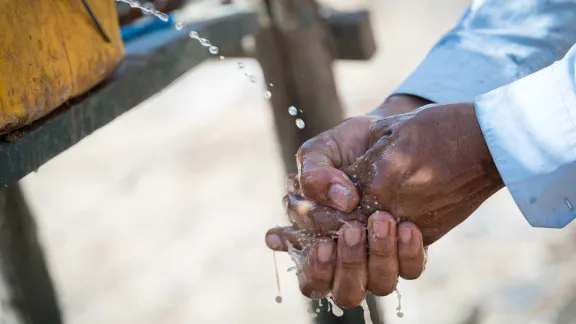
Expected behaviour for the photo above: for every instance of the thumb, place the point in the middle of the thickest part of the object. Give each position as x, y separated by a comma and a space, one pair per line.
319, 160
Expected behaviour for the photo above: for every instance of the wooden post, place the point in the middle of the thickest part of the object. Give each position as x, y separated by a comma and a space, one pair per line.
295, 51
27, 295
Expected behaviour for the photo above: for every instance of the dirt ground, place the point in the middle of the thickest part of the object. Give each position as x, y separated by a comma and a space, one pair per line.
159, 217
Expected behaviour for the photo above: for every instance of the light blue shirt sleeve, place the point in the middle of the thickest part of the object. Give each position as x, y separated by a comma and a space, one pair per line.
496, 42
530, 128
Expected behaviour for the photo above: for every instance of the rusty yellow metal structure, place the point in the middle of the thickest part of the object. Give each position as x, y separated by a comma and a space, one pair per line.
51, 51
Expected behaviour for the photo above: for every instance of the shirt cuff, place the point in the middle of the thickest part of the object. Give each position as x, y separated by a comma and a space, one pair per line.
530, 129
451, 75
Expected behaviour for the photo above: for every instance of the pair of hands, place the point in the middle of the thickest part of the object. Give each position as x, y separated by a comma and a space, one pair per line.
402, 171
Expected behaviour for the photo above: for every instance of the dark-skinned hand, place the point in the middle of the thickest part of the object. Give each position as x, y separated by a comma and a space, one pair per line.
343, 267
430, 167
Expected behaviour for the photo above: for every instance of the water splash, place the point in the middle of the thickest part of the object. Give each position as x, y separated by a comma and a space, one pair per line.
300, 123
271, 85
194, 34
292, 111
145, 9
267, 94
179, 26
213, 50
297, 256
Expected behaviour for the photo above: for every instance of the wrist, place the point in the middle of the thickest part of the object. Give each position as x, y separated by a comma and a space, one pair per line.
486, 161
399, 104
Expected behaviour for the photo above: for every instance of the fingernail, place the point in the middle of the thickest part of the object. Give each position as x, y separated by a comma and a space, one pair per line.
273, 241
352, 236
381, 228
325, 252
405, 234
339, 195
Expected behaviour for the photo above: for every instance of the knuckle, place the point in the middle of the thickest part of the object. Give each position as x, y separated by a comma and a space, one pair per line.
383, 250
352, 263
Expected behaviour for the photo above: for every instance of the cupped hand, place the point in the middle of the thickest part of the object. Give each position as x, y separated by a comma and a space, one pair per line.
343, 267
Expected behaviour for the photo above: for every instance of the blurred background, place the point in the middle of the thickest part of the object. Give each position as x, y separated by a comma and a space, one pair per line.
160, 216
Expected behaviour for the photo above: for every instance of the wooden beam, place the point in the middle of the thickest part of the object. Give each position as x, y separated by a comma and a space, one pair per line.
351, 36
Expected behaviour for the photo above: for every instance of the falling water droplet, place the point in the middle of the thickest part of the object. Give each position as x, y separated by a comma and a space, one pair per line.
366, 310
336, 310
292, 111
193, 34
213, 50
162, 16
271, 84
179, 26
252, 79
204, 42
399, 308
300, 123
240, 65
279, 296
222, 57
148, 8
267, 94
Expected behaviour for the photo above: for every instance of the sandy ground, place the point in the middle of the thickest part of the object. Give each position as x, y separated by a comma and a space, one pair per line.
159, 217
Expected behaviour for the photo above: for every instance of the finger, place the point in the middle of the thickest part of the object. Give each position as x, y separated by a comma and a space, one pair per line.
316, 276
293, 184
351, 274
383, 265
279, 238
297, 209
382, 130
411, 252
319, 160
321, 220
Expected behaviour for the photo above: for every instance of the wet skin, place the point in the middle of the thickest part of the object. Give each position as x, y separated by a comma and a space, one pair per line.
430, 168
